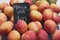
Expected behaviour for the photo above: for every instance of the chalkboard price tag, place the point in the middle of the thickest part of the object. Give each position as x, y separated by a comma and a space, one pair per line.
21, 11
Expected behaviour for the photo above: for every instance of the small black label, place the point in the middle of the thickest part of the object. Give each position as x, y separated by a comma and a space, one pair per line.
21, 11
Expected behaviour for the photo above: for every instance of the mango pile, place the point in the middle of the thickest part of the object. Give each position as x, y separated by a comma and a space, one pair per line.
44, 21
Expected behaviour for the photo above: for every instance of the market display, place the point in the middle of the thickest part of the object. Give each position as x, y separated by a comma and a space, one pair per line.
44, 20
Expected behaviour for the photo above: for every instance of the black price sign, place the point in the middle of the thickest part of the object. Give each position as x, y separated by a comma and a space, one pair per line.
21, 11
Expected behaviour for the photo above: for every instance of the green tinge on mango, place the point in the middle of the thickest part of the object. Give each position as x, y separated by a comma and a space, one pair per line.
34, 1
52, 1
